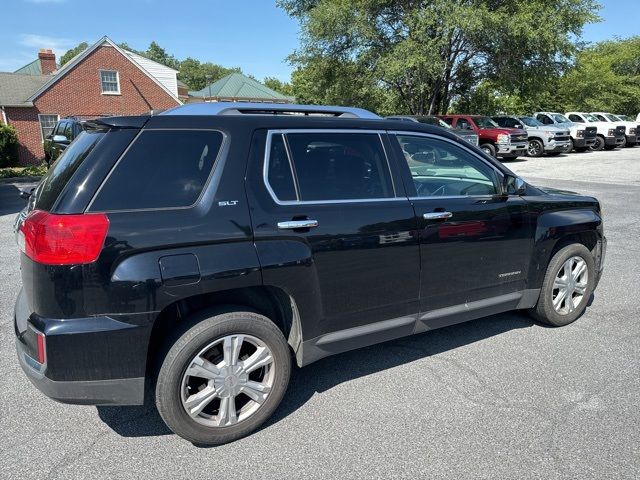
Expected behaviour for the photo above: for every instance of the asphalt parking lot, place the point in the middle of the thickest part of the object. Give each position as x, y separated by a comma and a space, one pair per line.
500, 397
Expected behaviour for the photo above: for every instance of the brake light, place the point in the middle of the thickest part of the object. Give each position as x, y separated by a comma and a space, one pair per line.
63, 239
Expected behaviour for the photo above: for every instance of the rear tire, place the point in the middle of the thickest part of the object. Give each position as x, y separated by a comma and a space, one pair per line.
567, 286
235, 363
599, 145
488, 149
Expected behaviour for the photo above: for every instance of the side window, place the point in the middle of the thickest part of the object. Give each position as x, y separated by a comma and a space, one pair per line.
68, 131
544, 119
161, 169
601, 118
500, 121
279, 174
442, 169
448, 120
463, 124
339, 166
576, 118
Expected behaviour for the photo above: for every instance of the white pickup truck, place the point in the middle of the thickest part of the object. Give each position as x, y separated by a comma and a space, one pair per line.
631, 134
582, 136
610, 135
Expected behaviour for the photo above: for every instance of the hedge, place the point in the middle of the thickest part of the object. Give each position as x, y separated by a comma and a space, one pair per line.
8, 146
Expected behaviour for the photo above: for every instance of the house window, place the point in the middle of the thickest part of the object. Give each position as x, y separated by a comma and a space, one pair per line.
47, 124
110, 82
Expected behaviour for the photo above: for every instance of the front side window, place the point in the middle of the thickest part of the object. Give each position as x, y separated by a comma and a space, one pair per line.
442, 169
47, 124
591, 118
162, 169
110, 81
576, 118
330, 167
614, 118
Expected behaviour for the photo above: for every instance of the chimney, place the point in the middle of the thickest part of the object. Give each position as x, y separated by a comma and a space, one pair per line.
47, 61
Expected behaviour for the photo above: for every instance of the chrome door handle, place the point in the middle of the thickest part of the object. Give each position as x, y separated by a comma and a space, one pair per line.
293, 224
437, 215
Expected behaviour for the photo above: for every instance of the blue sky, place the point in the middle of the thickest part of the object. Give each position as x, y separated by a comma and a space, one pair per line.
252, 34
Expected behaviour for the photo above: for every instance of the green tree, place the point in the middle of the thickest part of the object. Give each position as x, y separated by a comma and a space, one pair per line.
606, 77
278, 85
69, 54
420, 55
198, 75
8, 146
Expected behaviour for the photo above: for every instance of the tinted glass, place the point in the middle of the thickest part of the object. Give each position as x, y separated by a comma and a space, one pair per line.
64, 167
441, 169
279, 174
162, 169
560, 118
485, 122
575, 118
530, 121
340, 166
68, 131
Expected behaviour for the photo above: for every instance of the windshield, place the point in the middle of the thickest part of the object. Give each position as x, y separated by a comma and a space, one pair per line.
591, 118
624, 118
530, 121
612, 118
434, 121
485, 122
559, 118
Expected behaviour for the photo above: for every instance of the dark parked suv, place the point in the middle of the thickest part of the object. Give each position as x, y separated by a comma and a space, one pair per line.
205, 248
65, 132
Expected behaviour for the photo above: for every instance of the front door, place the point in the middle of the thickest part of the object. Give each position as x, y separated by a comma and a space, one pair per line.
334, 228
474, 242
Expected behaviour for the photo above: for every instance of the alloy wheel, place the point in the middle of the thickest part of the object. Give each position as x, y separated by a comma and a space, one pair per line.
228, 381
570, 285
534, 149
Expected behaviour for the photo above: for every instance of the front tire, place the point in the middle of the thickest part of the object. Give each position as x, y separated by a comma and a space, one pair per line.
567, 286
488, 149
224, 375
535, 148
599, 145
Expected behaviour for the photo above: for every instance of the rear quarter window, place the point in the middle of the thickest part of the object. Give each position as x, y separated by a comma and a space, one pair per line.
161, 169
64, 168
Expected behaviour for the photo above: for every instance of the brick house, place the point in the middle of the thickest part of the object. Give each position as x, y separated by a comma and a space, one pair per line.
103, 80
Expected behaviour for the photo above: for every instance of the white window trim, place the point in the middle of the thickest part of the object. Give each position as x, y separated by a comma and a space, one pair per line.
117, 81
40, 122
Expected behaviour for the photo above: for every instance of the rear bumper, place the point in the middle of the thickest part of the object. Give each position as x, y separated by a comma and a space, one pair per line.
84, 363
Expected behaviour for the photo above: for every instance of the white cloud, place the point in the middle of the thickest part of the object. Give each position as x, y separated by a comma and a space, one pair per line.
57, 44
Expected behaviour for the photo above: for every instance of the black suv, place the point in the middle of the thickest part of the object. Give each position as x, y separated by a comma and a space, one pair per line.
205, 247
61, 136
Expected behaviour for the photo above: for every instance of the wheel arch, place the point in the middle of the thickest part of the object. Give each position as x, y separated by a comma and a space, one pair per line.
555, 230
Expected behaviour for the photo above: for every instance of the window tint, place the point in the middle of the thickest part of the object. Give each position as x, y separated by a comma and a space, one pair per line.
575, 118
544, 119
448, 120
162, 169
440, 168
68, 131
340, 166
64, 167
463, 124
279, 174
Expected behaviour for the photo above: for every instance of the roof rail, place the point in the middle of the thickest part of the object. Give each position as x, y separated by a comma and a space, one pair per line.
246, 108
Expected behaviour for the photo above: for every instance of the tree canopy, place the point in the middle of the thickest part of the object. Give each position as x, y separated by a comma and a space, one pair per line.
417, 56
69, 54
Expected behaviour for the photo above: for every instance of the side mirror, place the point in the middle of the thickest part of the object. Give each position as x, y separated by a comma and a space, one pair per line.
60, 139
26, 192
513, 185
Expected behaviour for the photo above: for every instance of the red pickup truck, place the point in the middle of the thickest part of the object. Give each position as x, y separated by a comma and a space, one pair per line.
507, 143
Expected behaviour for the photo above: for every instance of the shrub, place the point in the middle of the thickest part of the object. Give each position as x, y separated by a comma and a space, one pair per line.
8, 146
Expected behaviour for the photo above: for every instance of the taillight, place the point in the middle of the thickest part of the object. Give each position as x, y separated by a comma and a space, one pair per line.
63, 239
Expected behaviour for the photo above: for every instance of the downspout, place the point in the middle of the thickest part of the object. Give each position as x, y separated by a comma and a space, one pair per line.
4, 116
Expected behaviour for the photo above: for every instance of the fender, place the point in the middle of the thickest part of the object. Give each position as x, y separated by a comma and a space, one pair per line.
552, 227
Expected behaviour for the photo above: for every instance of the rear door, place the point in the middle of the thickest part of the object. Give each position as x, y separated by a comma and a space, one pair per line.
475, 243
333, 227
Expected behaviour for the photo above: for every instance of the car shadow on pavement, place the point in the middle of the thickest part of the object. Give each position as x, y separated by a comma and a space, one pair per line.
10, 200
141, 421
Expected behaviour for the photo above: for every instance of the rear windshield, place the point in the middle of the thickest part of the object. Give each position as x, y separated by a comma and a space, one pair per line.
161, 169
63, 169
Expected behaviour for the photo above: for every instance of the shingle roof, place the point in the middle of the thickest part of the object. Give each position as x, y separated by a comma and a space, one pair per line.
16, 88
237, 85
